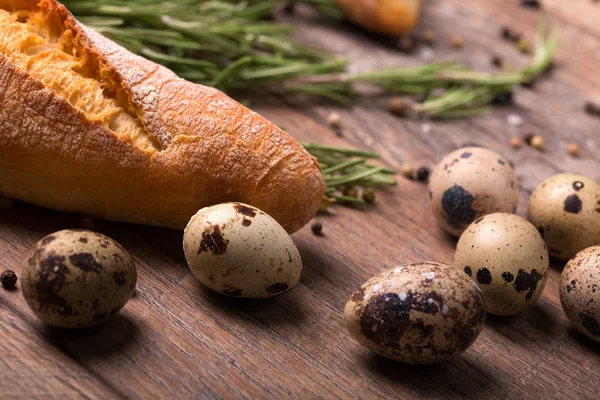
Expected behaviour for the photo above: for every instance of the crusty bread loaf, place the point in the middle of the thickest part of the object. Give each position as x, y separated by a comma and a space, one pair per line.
389, 17
88, 127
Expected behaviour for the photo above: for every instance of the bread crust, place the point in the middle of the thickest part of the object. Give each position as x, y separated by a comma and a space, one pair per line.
208, 149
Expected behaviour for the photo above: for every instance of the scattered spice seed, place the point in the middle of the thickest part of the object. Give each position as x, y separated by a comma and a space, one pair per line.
529, 84
408, 171
369, 196
87, 223
510, 35
8, 279
516, 142
528, 138
289, 7
317, 229
5, 203
351, 192
592, 108
537, 142
574, 149
531, 3
406, 44
457, 41
429, 37
497, 61
503, 98
398, 106
423, 174
334, 120
523, 46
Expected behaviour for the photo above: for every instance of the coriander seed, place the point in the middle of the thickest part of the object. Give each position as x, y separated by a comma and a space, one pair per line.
351, 192
334, 120
8, 279
398, 106
516, 142
537, 142
523, 46
573, 149
317, 229
429, 37
408, 171
457, 41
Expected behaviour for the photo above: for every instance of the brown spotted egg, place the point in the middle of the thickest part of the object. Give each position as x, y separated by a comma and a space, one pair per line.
470, 183
580, 292
76, 279
240, 251
565, 208
419, 313
507, 257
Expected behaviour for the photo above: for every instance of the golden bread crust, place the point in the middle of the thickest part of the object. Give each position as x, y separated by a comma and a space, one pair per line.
204, 148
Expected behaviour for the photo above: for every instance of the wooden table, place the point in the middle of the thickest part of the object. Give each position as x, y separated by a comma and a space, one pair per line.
176, 339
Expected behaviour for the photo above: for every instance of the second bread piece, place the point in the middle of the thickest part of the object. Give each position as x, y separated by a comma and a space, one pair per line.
88, 127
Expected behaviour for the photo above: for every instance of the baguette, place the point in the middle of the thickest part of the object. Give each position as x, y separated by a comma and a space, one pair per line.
388, 17
88, 127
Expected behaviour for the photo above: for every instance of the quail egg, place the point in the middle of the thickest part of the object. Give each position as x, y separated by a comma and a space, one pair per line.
470, 183
580, 292
419, 313
508, 258
565, 208
76, 279
240, 251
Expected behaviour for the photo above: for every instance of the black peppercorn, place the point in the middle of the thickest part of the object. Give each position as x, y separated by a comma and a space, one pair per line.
423, 174
531, 3
317, 228
8, 279
503, 98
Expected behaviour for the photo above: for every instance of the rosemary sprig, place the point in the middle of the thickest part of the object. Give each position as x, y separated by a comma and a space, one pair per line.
346, 170
231, 45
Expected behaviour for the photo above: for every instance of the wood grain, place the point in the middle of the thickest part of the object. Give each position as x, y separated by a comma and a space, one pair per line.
176, 339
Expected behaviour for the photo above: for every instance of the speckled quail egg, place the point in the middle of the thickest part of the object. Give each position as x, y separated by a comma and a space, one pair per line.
580, 292
76, 279
565, 208
508, 258
240, 251
419, 313
470, 183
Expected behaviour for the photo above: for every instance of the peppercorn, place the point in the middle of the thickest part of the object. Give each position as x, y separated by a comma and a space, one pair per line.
369, 196
573, 149
510, 35
497, 61
5, 203
317, 228
423, 174
537, 142
457, 41
503, 98
531, 3
408, 171
528, 138
516, 142
8, 279
398, 106
592, 108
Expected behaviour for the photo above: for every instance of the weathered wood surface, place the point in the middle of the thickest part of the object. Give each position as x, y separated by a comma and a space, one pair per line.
177, 339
